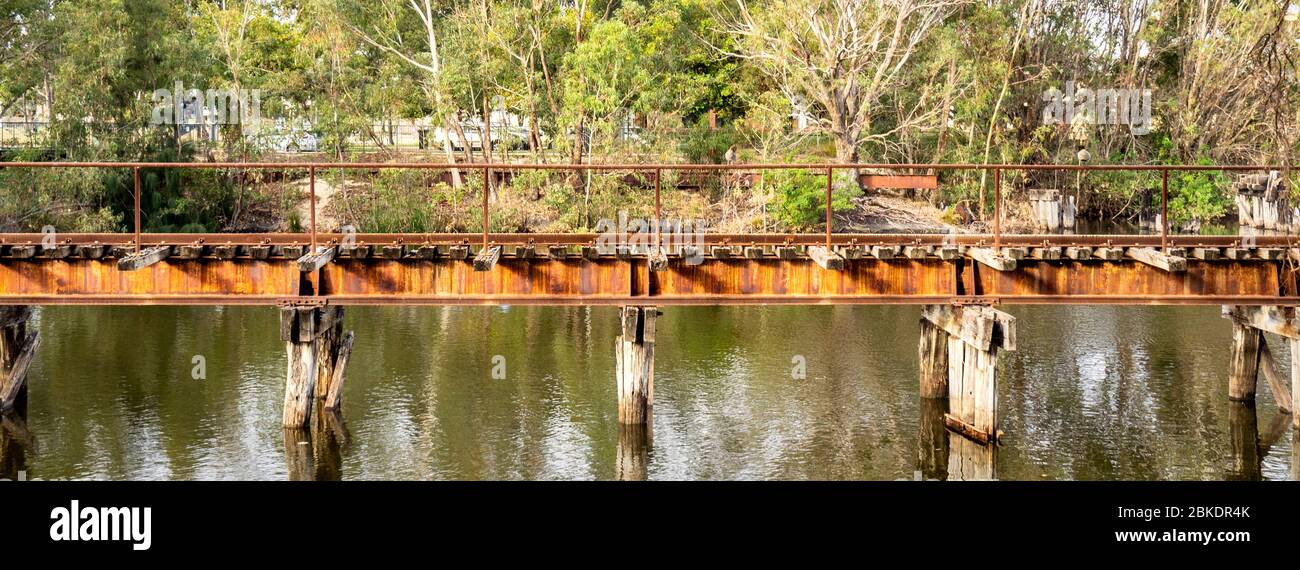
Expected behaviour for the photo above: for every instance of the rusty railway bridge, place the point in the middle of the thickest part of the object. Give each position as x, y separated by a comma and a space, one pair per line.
958, 279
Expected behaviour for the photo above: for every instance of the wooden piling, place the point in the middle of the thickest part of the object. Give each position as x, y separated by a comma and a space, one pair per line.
333, 394
1295, 386
634, 354
17, 348
933, 353
1243, 364
318, 350
300, 375
1250, 353
975, 335
1276, 383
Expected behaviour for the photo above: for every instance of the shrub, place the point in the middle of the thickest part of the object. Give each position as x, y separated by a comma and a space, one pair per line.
703, 145
799, 198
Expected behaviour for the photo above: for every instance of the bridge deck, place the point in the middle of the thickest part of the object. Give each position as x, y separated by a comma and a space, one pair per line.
747, 269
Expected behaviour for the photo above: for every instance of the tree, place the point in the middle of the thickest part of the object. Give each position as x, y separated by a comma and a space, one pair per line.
387, 25
842, 55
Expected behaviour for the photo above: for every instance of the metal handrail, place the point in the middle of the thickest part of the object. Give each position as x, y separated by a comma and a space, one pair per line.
658, 169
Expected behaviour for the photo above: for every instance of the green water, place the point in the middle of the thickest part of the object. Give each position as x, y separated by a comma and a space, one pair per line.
1091, 393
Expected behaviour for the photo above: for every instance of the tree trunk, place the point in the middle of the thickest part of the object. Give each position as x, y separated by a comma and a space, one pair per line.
460, 134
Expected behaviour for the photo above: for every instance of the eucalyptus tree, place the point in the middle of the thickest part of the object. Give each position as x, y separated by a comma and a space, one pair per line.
844, 56
413, 32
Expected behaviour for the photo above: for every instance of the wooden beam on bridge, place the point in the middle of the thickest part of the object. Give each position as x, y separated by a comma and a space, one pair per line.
314, 261
1078, 253
658, 260
1047, 253
980, 326
1158, 259
1206, 253
144, 259
1279, 320
1109, 253
884, 251
487, 258
992, 258
825, 258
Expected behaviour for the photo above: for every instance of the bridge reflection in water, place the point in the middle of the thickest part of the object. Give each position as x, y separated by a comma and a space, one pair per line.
1092, 392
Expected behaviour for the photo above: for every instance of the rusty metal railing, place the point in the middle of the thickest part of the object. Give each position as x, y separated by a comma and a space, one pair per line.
657, 169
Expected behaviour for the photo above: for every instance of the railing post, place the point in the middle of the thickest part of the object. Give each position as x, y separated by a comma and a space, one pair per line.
659, 224
997, 209
830, 182
487, 175
1164, 210
311, 184
135, 174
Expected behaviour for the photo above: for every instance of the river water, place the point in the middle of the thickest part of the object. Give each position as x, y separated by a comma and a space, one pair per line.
1091, 393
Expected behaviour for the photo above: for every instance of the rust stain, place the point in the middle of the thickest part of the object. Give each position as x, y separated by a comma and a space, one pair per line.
580, 280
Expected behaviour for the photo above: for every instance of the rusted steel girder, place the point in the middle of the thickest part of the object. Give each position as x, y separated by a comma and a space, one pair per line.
609, 280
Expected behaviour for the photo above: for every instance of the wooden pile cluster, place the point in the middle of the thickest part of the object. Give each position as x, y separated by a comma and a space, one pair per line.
1262, 202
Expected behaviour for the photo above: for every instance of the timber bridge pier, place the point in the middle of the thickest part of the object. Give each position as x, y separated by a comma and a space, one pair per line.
957, 280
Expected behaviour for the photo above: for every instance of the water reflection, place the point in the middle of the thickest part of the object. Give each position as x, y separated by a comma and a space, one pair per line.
298, 458
329, 435
1091, 393
1295, 454
969, 460
1246, 460
16, 442
932, 445
1250, 446
315, 453
633, 452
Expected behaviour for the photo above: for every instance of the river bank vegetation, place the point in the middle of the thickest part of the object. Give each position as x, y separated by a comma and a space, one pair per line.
619, 81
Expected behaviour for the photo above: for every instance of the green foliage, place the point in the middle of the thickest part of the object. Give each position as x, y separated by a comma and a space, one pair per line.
639, 78
799, 201
403, 201
1198, 196
702, 145
69, 200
